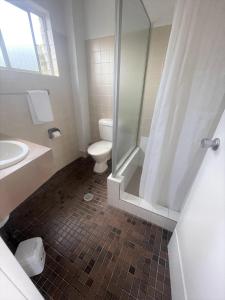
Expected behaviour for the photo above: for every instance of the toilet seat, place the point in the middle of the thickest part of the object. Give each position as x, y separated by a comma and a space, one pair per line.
100, 148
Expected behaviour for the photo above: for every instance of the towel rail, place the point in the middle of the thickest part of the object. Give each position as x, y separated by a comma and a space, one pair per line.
18, 93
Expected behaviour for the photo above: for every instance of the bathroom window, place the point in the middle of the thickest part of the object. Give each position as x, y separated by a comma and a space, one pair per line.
2, 61
26, 41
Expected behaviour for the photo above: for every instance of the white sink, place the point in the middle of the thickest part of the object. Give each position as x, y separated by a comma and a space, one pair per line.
12, 152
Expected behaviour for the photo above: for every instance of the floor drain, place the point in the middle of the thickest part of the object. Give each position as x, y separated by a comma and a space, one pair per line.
88, 197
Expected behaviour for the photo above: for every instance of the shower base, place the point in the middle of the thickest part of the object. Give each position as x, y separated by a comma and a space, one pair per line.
123, 191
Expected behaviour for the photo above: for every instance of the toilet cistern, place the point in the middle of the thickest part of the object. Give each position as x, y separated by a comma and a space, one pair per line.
101, 150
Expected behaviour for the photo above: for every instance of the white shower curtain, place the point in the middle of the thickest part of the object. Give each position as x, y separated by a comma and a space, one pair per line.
190, 101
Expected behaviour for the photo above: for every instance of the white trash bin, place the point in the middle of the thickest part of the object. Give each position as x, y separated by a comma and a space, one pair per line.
31, 256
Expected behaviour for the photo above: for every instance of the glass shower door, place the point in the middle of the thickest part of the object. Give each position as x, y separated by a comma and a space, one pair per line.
132, 41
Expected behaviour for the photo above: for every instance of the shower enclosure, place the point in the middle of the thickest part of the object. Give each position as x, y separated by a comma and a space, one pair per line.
132, 44
133, 29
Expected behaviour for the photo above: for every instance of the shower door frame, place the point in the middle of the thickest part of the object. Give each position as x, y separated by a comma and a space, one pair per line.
117, 58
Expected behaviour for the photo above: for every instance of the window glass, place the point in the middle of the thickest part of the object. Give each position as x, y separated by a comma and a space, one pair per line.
16, 32
41, 43
2, 62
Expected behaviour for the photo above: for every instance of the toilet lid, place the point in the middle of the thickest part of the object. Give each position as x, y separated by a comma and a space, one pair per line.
100, 148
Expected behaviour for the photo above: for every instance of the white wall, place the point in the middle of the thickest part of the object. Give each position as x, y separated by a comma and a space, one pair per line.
75, 24
100, 57
55, 9
15, 117
157, 53
160, 11
99, 18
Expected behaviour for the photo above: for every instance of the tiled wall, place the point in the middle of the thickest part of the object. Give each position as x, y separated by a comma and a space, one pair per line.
100, 57
100, 66
157, 53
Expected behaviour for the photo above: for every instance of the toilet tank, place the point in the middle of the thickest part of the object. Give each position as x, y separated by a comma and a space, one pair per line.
105, 129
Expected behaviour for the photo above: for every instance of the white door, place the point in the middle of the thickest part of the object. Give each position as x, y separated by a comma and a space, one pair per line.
197, 247
14, 282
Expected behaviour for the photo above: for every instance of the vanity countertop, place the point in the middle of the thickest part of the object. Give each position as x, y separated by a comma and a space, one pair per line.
35, 151
21, 180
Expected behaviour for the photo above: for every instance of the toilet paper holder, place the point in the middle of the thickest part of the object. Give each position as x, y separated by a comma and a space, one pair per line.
54, 132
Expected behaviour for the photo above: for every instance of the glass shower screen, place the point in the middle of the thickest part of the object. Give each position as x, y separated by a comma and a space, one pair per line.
132, 41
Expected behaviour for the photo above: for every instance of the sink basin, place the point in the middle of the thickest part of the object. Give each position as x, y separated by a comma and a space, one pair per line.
12, 152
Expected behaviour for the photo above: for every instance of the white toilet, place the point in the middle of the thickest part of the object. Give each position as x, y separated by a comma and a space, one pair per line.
101, 151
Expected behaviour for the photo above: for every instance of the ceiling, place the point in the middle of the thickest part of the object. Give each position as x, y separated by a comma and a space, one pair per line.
160, 11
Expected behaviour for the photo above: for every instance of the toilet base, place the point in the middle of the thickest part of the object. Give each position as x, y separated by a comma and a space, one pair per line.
100, 167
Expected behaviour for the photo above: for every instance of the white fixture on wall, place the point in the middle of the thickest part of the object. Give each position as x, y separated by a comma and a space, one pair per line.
54, 133
40, 106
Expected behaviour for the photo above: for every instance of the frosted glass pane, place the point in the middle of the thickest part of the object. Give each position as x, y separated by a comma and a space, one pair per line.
2, 62
16, 32
134, 45
41, 43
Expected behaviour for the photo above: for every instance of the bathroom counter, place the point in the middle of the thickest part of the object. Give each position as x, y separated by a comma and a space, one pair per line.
35, 151
19, 181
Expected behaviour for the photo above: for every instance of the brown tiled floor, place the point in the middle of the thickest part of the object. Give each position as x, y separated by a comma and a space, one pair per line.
93, 251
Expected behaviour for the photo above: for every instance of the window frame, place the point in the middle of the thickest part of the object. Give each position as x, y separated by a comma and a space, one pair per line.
32, 8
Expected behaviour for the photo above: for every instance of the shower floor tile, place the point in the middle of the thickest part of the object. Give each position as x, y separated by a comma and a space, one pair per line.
93, 251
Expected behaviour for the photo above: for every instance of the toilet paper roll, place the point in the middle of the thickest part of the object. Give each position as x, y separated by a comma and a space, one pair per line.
56, 134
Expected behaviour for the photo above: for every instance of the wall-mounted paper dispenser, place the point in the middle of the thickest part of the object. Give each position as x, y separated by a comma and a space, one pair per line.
54, 133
